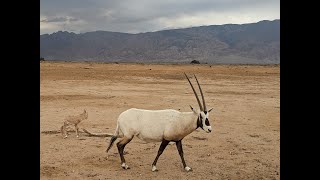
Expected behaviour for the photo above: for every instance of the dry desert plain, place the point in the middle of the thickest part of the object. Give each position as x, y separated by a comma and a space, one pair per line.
244, 144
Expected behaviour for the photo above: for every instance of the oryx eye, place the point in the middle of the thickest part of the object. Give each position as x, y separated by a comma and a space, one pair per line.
207, 122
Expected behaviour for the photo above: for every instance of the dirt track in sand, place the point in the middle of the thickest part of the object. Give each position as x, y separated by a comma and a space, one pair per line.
245, 143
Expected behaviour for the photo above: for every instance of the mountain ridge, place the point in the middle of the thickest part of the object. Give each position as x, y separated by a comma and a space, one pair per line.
252, 43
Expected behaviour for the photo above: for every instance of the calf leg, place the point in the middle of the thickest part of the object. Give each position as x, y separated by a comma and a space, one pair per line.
121, 145
77, 130
63, 130
161, 149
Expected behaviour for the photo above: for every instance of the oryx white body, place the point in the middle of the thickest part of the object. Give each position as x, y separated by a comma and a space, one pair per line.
160, 126
156, 125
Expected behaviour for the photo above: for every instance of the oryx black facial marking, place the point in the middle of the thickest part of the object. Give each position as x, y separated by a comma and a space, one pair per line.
199, 122
207, 122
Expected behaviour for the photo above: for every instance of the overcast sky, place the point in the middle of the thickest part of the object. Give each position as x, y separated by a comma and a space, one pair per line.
134, 16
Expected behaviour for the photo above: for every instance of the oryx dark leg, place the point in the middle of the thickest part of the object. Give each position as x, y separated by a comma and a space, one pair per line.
161, 149
121, 145
179, 147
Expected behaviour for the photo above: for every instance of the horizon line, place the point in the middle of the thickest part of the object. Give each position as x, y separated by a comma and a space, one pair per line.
159, 30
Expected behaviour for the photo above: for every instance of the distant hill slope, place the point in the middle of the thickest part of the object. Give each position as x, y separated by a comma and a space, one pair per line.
256, 43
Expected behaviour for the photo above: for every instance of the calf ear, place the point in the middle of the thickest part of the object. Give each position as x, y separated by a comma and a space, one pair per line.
210, 109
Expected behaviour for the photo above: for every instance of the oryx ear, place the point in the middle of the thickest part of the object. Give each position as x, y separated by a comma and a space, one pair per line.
193, 109
210, 109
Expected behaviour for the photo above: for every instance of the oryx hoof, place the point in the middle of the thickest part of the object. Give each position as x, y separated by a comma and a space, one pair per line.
188, 169
154, 169
124, 166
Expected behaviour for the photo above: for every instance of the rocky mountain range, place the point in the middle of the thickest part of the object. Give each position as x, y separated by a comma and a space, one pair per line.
254, 43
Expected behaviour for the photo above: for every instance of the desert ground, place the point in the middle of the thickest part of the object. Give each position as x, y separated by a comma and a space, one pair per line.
244, 144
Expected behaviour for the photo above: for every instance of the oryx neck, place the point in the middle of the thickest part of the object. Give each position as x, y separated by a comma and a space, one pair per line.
199, 123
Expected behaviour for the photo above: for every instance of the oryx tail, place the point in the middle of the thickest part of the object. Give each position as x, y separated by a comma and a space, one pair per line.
114, 137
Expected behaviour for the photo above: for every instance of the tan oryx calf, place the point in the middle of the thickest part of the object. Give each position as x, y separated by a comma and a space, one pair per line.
73, 120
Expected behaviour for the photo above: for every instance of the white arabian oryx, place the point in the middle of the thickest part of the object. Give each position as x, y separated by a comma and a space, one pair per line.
160, 126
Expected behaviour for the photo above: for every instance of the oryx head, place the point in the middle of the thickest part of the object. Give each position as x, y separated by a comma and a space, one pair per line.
203, 114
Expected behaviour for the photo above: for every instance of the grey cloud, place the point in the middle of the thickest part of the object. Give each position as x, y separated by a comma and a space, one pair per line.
59, 19
143, 15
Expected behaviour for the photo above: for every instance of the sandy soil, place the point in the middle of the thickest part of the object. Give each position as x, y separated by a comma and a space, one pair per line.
245, 143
